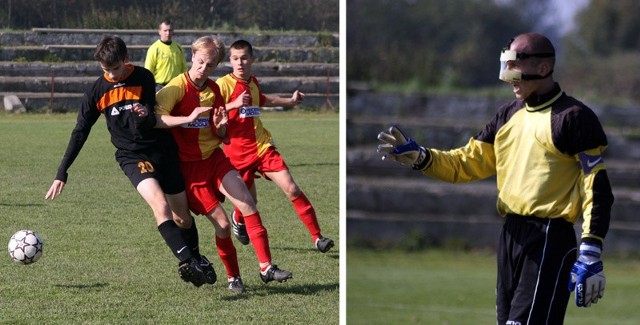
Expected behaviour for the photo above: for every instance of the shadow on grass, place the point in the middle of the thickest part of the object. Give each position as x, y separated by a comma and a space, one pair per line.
98, 285
333, 253
268, 290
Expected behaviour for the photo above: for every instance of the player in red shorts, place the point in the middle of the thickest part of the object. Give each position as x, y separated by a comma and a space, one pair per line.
251, 148
208, 173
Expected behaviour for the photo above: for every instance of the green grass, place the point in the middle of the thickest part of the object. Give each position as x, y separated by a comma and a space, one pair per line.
104, 261
454, 287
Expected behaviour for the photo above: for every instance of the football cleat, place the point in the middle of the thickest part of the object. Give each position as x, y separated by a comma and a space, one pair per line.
324, 244
207, 269
274, 273
235, 285
239, 230
190, 271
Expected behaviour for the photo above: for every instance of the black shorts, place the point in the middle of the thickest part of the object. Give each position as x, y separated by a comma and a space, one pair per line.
535, 256
160, 163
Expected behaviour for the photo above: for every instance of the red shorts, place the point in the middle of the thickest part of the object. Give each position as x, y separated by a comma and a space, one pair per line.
203, 178
271, 161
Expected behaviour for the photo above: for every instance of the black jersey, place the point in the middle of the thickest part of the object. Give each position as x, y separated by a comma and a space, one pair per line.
546, 154
115, 99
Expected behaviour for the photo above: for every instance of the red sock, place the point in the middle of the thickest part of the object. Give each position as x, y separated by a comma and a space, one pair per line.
307, 215
258, 236
228, 255
264, 268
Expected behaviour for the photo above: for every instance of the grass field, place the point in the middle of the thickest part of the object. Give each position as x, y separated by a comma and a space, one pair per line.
104, 261
441, 287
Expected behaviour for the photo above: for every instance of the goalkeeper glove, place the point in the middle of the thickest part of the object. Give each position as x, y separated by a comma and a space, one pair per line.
402, 149
587, 276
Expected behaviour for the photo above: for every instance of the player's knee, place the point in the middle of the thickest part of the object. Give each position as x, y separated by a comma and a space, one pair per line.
291, 190
183, 221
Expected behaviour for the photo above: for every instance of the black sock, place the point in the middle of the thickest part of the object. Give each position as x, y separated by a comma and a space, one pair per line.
191, 237
174, 238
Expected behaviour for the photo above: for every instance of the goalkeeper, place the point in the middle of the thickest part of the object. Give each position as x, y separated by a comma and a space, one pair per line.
545, 149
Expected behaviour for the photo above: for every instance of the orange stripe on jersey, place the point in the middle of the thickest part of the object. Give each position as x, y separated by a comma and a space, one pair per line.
119, 94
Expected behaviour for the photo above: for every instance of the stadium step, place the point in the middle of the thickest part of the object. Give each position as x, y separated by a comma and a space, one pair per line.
39, 36
34, 64
68, 52
92, 69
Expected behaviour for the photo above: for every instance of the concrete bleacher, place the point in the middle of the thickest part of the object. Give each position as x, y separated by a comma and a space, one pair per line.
49, 69
388, 202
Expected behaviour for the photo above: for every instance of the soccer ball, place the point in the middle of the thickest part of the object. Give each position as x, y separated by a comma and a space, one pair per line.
25, 247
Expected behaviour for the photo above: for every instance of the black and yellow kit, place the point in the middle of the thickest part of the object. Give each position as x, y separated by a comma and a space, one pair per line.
546, 153
547, 158
142, 149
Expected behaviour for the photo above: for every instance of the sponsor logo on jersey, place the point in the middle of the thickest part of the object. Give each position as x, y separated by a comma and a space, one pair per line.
117, 109
200, 123
249, 111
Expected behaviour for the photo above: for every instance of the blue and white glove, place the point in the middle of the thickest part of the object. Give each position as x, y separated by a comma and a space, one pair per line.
587, 276
402, 149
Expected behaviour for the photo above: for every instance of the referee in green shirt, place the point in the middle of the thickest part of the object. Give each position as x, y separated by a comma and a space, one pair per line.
165, 58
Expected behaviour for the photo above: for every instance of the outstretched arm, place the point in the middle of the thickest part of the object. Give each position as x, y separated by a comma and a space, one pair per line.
296, 98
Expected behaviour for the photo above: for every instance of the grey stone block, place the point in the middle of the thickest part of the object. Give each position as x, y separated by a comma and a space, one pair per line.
13, 104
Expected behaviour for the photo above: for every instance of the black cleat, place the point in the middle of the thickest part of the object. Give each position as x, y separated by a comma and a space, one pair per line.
207, 269
324, 244
235, 285
239, 230
274, 273
190, 271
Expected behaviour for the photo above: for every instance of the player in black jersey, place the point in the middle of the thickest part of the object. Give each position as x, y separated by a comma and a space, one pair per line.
545, 149
125, 95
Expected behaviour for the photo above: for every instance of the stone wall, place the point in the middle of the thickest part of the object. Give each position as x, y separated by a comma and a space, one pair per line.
49, 69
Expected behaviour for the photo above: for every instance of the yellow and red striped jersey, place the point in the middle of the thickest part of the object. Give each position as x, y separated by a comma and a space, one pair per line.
249, 140
196, 140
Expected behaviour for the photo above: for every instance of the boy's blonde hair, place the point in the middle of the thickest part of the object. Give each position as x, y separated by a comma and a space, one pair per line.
210, 44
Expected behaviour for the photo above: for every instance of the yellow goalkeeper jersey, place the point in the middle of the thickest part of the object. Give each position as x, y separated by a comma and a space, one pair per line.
546, 155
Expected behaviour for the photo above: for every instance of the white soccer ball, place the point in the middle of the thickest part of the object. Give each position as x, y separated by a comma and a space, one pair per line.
25, 247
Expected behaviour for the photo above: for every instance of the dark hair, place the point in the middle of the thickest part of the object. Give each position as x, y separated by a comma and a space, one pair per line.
166, 21
539, 47
110, 50
241, 45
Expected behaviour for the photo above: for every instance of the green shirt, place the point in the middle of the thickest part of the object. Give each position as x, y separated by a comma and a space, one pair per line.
165, 61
